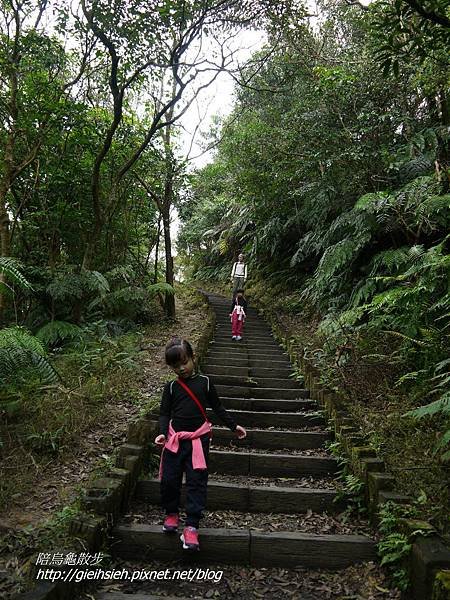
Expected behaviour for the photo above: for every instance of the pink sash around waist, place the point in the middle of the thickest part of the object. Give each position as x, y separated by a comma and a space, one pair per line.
173, 444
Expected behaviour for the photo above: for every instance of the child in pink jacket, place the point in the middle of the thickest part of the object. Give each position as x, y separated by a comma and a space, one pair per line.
238, 315
185, 432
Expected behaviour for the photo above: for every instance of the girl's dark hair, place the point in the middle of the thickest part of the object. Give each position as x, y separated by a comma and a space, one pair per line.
176, 350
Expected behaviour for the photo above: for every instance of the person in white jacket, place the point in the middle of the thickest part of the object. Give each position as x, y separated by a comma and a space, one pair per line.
239, 274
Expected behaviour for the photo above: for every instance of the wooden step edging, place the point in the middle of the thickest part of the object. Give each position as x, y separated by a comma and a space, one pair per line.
256, 438
246, 547
272, 439
269, 405
255, 382
257, 392
270, 465
246, 372
270, 419
247, 498
120, 596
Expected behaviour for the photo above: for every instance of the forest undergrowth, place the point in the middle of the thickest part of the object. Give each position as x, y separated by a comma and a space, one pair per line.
374, 400
65, 434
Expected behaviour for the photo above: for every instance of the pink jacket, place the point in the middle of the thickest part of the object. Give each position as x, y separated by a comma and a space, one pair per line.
173, 444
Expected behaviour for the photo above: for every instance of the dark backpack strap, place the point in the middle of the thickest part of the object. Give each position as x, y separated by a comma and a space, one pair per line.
190, 393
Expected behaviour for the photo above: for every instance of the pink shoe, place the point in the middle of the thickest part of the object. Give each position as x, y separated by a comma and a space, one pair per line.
189, 537
171, 523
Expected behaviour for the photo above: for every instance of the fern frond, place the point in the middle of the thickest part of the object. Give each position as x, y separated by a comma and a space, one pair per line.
444, 441
20, 364
369, 201
58, 331
65, 287
21, 338
96, 282
22, 356
161, 288
392, 260
442, 405
363, 292
124, 273
11, 268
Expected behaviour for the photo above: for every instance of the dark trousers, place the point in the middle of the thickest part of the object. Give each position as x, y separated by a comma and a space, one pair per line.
174, 465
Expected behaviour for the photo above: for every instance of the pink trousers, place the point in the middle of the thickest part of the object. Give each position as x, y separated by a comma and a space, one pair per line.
236, 325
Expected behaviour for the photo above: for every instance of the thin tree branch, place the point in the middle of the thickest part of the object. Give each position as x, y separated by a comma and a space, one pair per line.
434, 17
150, 192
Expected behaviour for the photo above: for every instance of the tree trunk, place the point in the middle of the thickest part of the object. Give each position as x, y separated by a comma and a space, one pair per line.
155, 277
170, 298
5, 225
444, 152
4, 242
91, 245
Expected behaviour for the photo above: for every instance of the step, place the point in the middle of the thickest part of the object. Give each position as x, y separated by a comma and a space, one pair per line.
264, 363
215, 369
223, 325
257, 330
240, 350
120, 596
247, 498
227, 359
269, 405
260, 382
281, 367
249, 336
242, 546
279, 373
245, 346
223, 334
223, 329
270, 419
233, 391
273, 439
270, 465
246, 343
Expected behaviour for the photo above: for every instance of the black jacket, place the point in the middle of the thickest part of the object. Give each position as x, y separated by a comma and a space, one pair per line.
241, 301
177, 405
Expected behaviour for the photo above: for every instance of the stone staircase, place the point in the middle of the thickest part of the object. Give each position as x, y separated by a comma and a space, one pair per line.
281, 468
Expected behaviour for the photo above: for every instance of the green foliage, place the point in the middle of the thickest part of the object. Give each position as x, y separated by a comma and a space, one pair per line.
57, 332
440, 406
394, 547
127, 296
19, 337
45, 441
408, 32
12, 271
23, 357
161, 288
353, 492
72, 286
